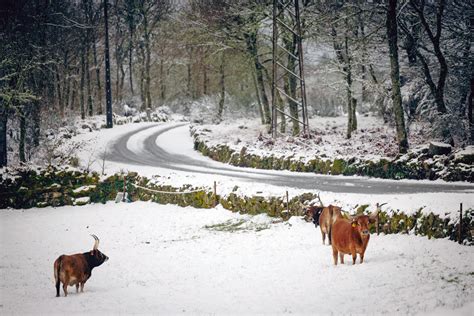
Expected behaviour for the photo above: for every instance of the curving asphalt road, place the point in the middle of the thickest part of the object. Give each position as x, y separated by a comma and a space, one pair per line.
155, 156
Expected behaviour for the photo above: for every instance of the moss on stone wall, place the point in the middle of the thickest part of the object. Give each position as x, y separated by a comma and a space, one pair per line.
413, 167
52, 187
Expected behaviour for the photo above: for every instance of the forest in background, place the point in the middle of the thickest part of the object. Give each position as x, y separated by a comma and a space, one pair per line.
217, 53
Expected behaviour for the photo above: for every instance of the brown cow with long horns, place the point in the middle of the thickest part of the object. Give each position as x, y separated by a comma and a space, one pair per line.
77, 269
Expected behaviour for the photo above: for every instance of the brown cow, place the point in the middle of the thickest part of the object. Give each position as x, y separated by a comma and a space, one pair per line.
351, 236
77, 269
327, 218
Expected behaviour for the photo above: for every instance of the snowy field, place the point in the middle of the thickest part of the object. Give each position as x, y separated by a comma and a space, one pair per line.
171, 260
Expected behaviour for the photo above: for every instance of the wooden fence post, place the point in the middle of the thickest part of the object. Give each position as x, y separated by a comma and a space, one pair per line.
124, 188
215, 194
377, 223
287, 203
460, 224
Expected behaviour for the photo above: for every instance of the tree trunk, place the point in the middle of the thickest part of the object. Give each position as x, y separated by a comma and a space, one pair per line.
122, 79
354, 116
67, 82
351, 104
117, 70
130, 68
392, 38
72, 105
251, 41
438, 89
100, 109
130, 54
222, 87
81, 88
3, 134
147, 64
58, 93
88, 79
363, 68
162, 81
142, 79
188, 79
257, 95
21, 149
469, 111
263, 94
36, 123
281, 107
411, 42
205, 80
345, 61
291, 83
108, 92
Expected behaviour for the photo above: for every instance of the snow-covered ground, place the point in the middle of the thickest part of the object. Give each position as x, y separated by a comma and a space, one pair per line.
179, 141
167, 260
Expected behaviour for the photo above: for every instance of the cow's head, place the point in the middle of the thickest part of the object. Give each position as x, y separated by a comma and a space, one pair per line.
361, 222
312, 214
97, 256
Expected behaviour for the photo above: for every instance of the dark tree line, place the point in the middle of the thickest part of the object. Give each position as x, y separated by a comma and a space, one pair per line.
52, 61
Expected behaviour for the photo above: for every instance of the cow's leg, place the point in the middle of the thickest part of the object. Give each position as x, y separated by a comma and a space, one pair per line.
82, 286
65, 288
341, 256
77, 287
65, 283
324, 237
329, 235
334, 255
354, 257
361, 257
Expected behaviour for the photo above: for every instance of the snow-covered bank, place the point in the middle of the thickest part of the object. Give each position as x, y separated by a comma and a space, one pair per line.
169, 260
372, 151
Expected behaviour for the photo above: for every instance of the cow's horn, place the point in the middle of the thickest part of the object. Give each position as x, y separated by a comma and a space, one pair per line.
96, 243
378, 208
350, 216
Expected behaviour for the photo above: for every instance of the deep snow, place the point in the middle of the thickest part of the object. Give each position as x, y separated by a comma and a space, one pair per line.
164, 260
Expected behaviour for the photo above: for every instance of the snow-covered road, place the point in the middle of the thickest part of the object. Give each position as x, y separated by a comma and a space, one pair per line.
166, 150
171, 147
167, 260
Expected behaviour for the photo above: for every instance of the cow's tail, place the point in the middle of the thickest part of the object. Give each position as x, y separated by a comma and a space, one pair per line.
56, 274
